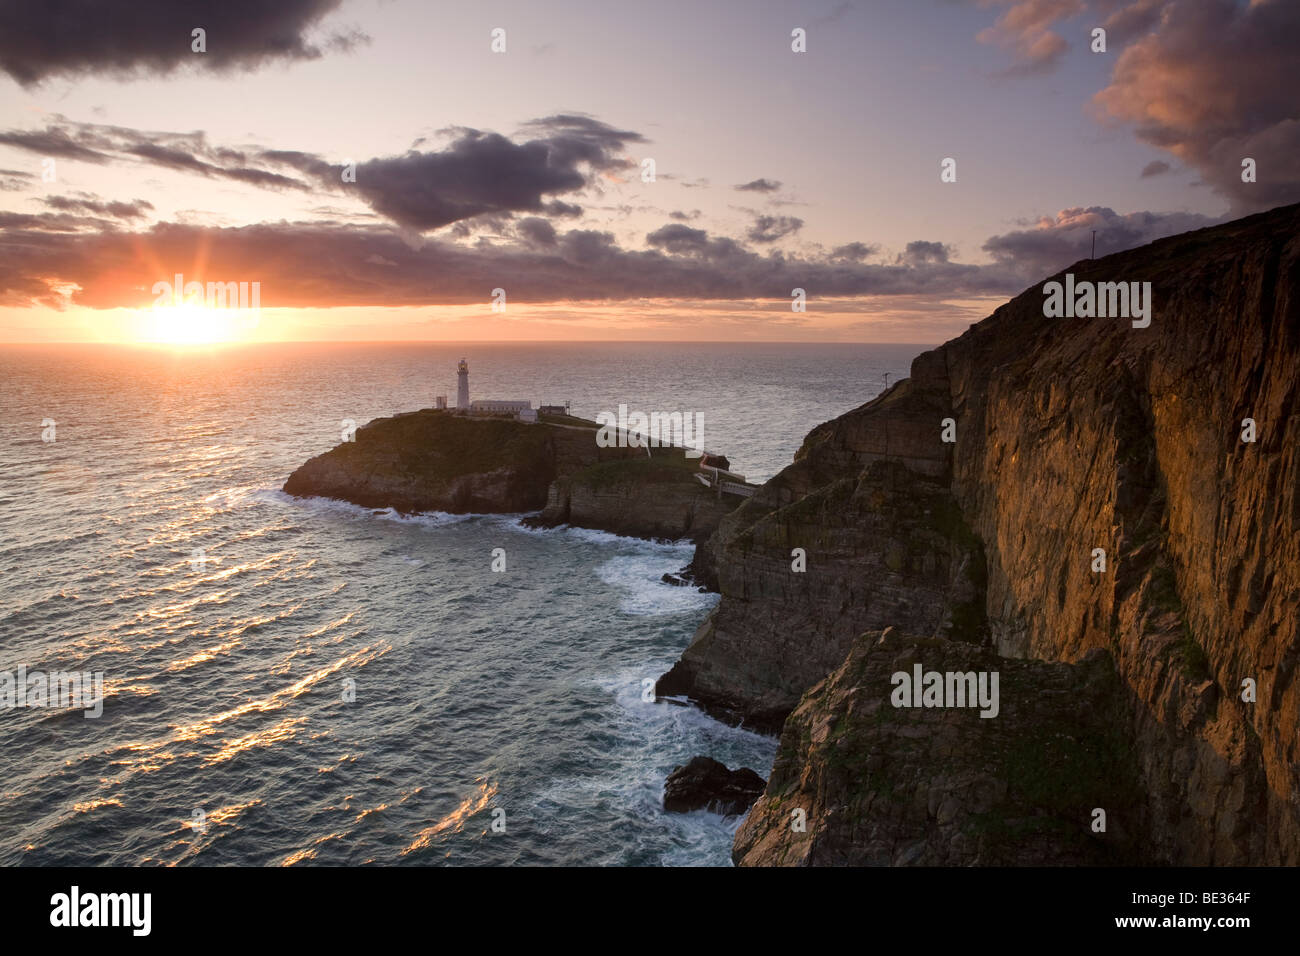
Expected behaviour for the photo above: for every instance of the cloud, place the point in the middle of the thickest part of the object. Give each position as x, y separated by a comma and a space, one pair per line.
536, 232
921, 253
337, 264
181, 159
480, 173
1056, 242
326, 264
854, 251
679, 239
759, 186
56, 141
574, 138
12, 180
1215, 84
772, 228
41, 40
685, 216
1025, 29
1132, 20
185, 152
87, 203
477, 174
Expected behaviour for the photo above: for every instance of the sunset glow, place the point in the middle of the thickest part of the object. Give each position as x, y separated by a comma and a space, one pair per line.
189, 324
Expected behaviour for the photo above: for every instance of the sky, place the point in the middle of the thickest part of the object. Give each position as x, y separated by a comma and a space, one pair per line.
619, 171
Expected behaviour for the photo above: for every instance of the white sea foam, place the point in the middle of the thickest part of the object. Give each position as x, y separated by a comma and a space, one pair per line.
607, 537
639, 578
337, 506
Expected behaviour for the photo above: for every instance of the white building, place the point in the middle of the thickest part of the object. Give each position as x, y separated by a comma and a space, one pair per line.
518, 408
494, 406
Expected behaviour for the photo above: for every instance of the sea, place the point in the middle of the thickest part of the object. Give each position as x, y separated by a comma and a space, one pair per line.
297, 682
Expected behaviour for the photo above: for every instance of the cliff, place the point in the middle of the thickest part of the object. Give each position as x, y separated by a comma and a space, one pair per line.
657, 498
888, 786
1070, 435
432, 460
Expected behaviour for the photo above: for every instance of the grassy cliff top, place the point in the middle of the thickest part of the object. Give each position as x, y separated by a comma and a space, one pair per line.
456, 444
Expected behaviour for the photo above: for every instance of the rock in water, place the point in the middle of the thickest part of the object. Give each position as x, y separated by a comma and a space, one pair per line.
705, 784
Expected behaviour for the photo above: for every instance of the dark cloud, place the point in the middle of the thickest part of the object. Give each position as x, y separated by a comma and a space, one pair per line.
1054, 243
1154, 168
89, 204
772, 228
1214, 84
562, 210
536, 232
73, 37
685, 216
921, 253
175, 158
679, 239
759, 186
338, 264
54, 222
854, 251
573, 138
478, 174
184, 152
331, 264
52, 141
12, 180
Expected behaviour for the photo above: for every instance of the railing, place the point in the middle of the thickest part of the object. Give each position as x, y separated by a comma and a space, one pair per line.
717, 479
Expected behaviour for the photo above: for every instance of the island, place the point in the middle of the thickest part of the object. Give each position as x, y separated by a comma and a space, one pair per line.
493, 461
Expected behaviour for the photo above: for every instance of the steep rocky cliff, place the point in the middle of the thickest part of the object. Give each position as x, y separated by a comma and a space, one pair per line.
657, 498
1071, 435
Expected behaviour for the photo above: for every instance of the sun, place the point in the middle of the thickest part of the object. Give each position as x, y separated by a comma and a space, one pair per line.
189, 323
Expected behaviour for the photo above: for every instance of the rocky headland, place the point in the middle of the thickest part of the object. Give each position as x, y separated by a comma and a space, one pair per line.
1099, 528
436, 460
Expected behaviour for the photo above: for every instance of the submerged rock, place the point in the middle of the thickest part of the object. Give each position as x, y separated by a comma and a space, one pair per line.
706, 784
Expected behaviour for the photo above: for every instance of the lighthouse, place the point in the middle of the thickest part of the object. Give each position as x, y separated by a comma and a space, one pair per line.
462, 385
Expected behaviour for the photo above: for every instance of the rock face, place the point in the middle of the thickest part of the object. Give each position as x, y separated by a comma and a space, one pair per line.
705, 784
648, 499
883, 546
882, 786
432, 460
1071, 435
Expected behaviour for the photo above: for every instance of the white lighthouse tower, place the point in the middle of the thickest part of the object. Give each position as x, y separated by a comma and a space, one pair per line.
462, 385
